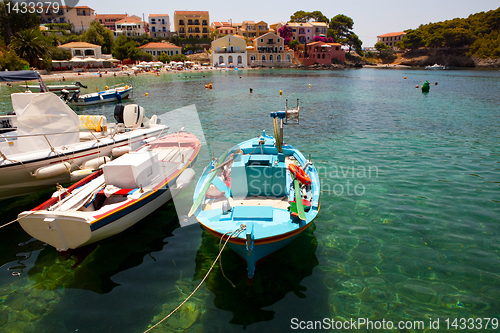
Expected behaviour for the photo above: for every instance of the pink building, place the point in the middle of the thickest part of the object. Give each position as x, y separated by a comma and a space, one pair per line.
320, 52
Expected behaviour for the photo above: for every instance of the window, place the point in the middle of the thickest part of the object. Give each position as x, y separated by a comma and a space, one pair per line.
271, 58
230, 59
229, 39
218, 48
263, 57
262, 40
221, 60
288, 58
240, 60
278, 58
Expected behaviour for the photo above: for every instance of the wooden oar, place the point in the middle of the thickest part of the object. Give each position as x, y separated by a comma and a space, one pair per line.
200, 197
298, 200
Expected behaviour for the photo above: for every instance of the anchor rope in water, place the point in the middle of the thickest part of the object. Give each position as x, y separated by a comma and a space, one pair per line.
235, 232
19, 218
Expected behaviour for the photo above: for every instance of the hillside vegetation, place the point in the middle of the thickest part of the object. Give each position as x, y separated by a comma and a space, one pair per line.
479, 33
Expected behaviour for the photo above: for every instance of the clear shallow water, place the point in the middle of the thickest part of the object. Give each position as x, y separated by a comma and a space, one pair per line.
408, 227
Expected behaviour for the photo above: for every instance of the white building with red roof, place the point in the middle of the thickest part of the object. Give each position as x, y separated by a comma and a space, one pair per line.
391, 38
156, 49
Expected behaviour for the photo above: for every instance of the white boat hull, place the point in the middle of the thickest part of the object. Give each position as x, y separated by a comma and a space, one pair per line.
113, 199
16, 178
71, 230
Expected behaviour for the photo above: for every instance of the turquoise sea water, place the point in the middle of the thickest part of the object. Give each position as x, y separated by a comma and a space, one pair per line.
408, 229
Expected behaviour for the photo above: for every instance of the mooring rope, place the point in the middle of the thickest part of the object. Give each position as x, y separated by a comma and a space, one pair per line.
237, 232
19, 218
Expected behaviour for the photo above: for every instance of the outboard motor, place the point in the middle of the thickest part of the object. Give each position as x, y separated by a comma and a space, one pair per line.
131, 115
75, 96
64, 95
80, 85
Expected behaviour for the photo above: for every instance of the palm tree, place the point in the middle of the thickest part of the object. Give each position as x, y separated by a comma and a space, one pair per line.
30, 44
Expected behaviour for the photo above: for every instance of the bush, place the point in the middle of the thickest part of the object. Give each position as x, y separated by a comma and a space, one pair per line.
179, 57
60, 54
164, 58
11, 61
146, 57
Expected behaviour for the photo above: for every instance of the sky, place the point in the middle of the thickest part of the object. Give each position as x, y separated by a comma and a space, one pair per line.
371, 17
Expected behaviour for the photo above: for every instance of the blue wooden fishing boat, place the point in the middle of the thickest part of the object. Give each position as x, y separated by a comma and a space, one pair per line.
261, 194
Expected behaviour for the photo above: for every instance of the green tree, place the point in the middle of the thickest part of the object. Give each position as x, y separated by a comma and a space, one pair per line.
341, 27
179, 57
30, 45
381, 46
412, 40
99, 35
355, 43
164, 58
11, 61
293, 44
318, 16
60, 54
126, 49
303, 17
13, 22
300, 17
146, 56
388, 55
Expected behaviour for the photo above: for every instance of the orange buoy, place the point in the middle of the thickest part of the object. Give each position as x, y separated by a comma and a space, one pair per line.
416, 86
405, 77
300, 174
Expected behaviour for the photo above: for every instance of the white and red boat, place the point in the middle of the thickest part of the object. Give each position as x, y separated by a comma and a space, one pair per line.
120, 194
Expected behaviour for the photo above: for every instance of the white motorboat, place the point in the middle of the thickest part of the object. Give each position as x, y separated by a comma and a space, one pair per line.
435, 66
120, 194
51, 144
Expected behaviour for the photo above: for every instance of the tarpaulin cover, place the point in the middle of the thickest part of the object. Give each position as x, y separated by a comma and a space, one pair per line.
7, 76
44, 113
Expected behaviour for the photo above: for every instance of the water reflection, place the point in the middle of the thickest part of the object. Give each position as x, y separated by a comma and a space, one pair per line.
92, 267
275, 277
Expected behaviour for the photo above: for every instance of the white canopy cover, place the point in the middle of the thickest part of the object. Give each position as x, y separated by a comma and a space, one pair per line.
43, 113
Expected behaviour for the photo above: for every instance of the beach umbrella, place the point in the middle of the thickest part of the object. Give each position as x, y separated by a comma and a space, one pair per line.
77, 60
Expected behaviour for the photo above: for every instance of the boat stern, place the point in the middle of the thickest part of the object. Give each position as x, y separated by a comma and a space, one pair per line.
63, 232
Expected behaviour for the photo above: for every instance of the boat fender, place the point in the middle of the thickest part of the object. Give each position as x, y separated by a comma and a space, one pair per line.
119, 151
300, 174
77, 175
185, 178
52, 170
95, 163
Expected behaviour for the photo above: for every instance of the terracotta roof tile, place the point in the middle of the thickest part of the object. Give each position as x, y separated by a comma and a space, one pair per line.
159, 46
392, 34
79, 45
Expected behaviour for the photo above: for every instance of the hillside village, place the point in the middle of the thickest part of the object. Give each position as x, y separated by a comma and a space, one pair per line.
309, 39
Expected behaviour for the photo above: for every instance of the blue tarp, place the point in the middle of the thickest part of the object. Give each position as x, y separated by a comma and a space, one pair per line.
18, 76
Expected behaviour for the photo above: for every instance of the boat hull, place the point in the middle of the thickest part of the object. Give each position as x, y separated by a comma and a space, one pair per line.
16, 177
64, 230
102, 97
88, 212
253, 199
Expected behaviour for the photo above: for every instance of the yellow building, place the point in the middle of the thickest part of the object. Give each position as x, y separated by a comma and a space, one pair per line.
269, 50
252, 29
229, 51
191, 24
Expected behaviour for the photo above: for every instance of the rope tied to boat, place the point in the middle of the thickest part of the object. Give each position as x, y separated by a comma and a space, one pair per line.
234, 233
